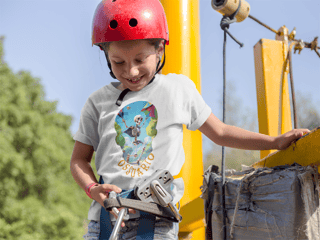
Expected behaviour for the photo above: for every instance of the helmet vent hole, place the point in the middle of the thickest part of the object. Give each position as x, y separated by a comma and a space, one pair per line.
114, 0
113, 24
133, 22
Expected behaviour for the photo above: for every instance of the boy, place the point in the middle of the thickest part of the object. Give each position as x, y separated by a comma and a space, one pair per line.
133, 35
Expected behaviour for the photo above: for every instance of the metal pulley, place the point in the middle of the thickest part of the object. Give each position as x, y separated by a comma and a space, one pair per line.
228, 7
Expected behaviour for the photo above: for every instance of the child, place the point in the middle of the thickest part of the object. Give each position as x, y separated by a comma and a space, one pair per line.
133, 35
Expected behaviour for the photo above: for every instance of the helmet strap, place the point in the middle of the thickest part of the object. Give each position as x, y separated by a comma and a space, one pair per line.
109, 65
164, 58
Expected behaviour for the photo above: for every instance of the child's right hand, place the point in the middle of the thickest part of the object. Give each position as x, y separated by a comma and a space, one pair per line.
101, 192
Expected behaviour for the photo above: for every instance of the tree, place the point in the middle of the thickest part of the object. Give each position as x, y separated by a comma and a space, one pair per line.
39, 198
307, 114
239, 116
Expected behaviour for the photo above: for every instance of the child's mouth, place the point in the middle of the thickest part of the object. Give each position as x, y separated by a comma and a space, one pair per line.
136, 80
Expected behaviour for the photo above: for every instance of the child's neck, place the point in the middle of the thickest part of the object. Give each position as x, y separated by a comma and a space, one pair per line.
120, 87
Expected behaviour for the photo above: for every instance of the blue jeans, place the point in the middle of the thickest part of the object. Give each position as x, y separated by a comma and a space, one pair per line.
163, 230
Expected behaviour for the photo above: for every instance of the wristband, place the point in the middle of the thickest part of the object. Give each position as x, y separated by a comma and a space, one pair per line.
88, 188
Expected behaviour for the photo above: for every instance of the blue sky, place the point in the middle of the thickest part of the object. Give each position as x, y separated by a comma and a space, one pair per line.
52, 40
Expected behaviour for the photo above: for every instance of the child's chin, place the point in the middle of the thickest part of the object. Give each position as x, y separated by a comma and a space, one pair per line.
136, 89
137, 86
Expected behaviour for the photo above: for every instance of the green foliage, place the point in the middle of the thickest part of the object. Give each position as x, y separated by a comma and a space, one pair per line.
308, 116
39, 198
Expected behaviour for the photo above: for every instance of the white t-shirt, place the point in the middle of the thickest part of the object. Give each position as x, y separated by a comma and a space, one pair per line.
143, 134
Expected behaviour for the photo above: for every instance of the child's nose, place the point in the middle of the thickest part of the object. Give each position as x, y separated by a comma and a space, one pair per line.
133, 71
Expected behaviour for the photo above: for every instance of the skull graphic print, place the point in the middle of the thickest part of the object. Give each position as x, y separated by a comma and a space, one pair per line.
135, 125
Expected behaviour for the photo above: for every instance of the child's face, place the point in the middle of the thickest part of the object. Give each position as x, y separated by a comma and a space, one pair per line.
134, 62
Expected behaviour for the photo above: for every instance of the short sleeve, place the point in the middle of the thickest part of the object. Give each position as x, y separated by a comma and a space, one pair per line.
199, 111
88, 128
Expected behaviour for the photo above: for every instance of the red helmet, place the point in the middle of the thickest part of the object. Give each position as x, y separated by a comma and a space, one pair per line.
117, 20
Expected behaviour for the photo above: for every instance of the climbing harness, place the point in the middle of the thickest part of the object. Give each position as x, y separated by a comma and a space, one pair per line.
151, 197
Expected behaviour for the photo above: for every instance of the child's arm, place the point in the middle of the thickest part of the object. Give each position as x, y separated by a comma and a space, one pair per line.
82, 172
231, 136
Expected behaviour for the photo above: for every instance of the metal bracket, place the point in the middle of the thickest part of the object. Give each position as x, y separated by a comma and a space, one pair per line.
156, 189
143, 190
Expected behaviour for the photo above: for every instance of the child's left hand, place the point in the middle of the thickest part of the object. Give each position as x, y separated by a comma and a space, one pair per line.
285, 140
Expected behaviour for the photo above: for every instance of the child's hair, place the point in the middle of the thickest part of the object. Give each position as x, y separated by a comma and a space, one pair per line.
153, 41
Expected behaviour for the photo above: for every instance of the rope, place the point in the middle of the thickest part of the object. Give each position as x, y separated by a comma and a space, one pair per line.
263, 24
223, 200
289, 59
225, 24
295, 121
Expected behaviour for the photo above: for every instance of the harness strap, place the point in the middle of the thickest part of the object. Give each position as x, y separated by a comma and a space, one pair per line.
146, 220
146, 226
150, 207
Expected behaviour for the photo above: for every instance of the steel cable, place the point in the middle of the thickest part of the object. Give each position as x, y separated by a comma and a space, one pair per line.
225, 24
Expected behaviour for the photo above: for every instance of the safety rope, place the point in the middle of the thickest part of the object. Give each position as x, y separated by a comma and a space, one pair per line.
263, 24
225, 24
293, 95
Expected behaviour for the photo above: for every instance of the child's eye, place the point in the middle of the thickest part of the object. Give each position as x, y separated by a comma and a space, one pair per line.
118, 63
140, 61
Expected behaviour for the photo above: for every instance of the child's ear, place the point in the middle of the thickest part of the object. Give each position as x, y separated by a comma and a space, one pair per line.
161, 48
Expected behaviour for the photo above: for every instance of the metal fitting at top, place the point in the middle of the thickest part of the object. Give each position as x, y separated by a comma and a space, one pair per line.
228, 7
299, 46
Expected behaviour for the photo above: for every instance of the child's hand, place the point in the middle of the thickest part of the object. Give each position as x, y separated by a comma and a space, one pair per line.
285, 140
101, 192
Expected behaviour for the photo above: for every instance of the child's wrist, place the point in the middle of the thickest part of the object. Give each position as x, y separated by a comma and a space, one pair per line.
89, 187
276, 143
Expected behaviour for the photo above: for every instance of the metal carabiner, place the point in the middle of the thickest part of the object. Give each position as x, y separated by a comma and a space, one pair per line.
164, 198
117, 226
121, 215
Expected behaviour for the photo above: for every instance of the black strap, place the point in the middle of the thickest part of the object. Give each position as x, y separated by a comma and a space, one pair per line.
109, 65
122, 94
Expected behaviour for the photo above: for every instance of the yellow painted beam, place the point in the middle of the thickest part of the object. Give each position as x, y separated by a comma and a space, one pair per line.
198, 234
193, 214
273, 100
306, 151
183, 57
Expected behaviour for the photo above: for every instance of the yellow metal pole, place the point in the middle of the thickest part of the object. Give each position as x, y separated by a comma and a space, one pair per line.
271, 68
183, 57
